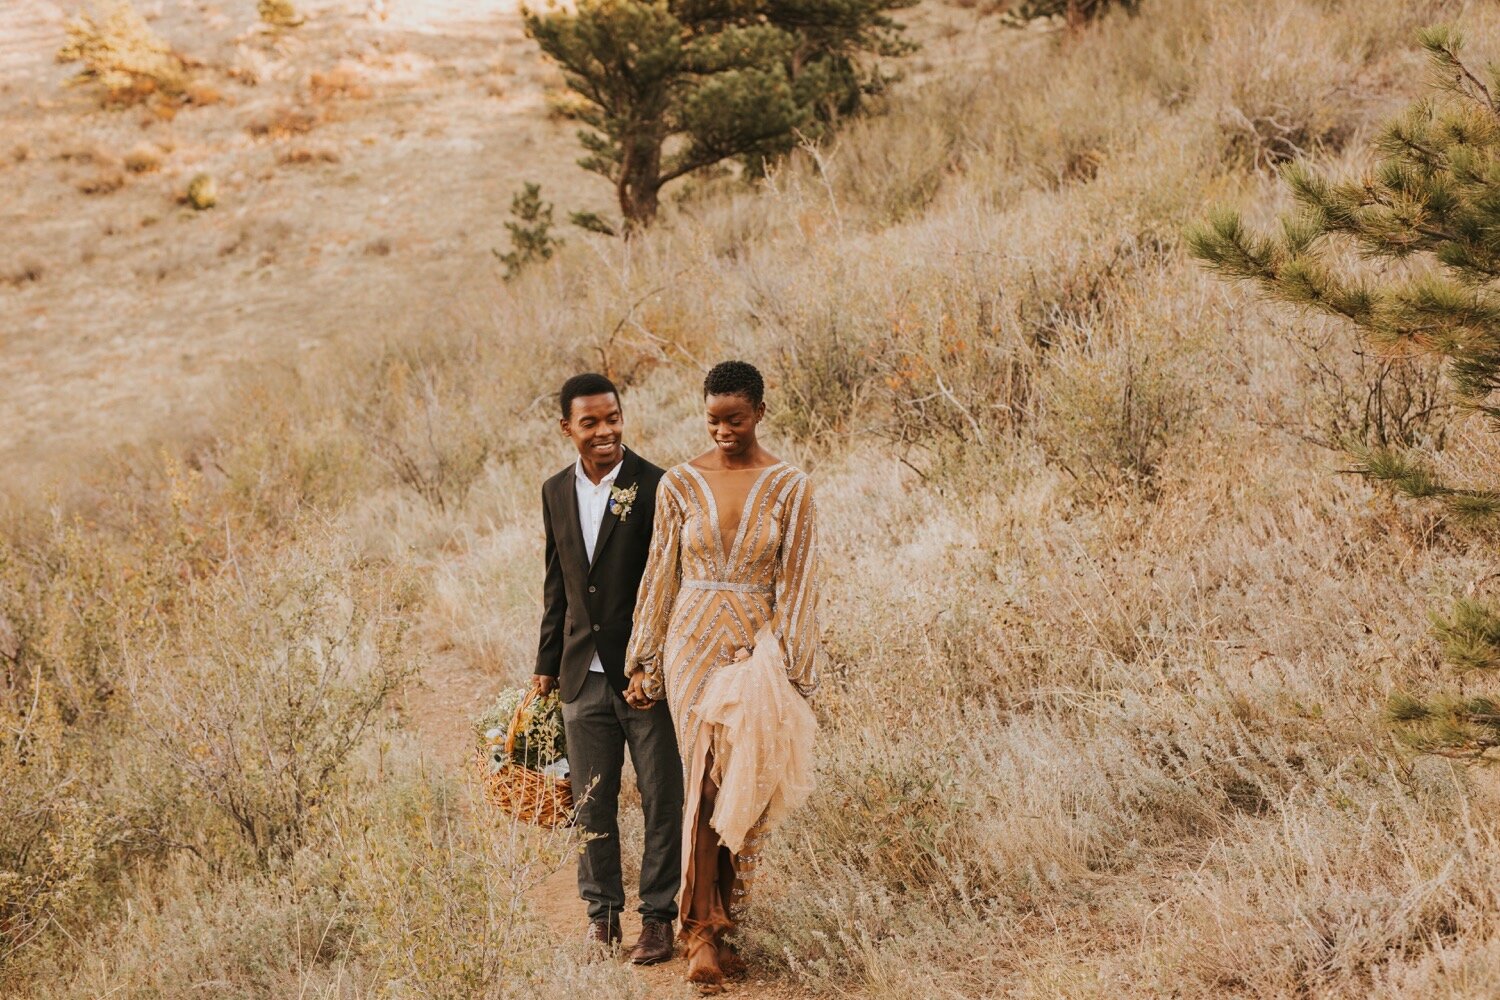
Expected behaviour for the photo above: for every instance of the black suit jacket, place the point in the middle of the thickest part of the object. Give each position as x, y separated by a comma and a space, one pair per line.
588, 607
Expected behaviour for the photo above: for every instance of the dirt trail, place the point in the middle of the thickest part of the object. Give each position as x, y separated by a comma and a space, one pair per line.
439, 714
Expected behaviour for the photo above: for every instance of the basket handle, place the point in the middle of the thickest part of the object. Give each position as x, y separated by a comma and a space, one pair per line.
515, 721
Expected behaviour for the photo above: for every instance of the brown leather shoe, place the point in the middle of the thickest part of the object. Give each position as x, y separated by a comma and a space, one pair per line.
603, 932
654, 945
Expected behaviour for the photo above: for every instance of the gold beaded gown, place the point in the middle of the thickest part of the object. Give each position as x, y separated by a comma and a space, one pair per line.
733, 565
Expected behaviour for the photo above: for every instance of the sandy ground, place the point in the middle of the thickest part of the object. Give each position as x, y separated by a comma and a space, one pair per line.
364, 166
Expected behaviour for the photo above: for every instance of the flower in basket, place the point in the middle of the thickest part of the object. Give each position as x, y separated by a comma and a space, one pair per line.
540, 739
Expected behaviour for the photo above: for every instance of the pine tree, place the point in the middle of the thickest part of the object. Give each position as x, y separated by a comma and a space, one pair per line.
1433, 201
531, 238
674, 86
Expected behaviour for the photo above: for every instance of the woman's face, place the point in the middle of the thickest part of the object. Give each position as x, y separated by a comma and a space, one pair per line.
731, 423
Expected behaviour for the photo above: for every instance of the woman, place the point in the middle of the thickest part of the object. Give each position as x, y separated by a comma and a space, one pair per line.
726, 629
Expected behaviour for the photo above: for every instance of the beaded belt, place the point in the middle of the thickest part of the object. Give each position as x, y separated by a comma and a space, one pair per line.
739, 588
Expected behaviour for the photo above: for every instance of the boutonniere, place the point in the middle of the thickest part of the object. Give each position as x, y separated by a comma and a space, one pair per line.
621, 499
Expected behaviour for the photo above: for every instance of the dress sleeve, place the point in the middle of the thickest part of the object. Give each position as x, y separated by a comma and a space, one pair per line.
795, 619
657, 595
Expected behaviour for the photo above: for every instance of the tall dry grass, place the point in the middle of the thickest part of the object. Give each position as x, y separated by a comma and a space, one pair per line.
1108, 632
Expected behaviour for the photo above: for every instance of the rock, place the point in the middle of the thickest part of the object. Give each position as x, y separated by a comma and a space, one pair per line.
202, 192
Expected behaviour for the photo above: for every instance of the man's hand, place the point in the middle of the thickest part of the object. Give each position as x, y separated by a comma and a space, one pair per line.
635, 691
544, 684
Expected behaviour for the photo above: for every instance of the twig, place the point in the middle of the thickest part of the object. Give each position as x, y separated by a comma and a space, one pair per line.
978, 433
811, 149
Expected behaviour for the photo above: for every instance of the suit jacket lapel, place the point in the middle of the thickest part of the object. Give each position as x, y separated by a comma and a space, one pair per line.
569, 509
623, 480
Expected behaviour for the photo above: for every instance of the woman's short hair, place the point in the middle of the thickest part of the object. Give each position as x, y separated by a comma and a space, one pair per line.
735, 378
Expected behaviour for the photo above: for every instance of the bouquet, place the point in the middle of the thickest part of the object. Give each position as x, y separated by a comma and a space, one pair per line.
541, 744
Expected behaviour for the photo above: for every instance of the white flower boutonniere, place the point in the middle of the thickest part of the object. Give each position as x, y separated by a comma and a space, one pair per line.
621, 500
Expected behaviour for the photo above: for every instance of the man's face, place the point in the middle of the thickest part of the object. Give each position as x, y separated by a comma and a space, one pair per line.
596, 426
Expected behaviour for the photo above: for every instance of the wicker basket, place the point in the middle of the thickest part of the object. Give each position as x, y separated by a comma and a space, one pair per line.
528, 795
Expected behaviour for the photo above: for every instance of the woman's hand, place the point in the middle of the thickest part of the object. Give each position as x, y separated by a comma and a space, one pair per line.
635, 691
741, 654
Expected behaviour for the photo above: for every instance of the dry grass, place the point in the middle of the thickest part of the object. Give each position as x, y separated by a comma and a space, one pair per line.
1109, 635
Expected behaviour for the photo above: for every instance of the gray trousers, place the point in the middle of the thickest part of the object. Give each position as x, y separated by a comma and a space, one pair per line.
599, 726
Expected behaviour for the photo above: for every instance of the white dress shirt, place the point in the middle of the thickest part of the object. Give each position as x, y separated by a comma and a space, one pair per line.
593, 502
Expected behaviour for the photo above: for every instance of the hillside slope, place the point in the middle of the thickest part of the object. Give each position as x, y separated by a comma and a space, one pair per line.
1109, 634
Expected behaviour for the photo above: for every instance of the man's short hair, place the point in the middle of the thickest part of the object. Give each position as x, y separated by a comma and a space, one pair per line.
586, 384
735, 378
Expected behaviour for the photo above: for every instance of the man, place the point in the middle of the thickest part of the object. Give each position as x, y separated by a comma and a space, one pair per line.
597, 513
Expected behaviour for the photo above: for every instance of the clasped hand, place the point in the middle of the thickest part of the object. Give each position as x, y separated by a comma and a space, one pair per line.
635, 691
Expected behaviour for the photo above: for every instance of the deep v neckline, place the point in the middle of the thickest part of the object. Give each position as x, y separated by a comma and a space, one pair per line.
726, 557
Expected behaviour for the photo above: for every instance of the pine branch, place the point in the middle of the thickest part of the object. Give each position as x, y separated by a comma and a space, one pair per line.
1415, 479
1230, 250
1449, 726
1433, 197
1443, 44
1470, 636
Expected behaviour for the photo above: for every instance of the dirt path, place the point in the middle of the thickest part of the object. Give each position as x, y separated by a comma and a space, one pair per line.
439, 714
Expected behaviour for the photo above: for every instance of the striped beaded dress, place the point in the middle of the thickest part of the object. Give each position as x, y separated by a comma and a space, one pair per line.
733, 565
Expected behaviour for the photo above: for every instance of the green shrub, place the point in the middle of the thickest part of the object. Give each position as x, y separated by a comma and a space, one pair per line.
531, 239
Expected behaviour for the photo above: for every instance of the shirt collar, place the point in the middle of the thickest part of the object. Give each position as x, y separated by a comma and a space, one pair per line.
608, 479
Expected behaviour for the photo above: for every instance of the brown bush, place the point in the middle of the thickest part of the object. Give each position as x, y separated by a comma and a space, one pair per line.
279, 13
103, 182
339, 82
428, 444
280, 122
315, 651
304, 156
143, 158
24, 273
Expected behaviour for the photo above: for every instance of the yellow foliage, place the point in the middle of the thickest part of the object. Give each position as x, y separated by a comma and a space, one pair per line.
120, 52
279, 13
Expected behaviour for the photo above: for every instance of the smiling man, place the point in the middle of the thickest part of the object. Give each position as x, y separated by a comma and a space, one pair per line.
597, 514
